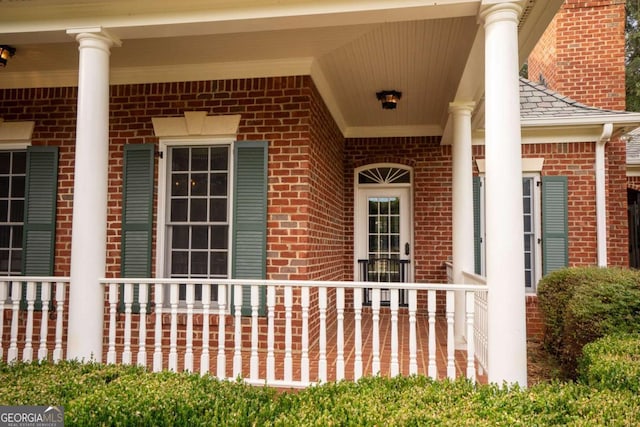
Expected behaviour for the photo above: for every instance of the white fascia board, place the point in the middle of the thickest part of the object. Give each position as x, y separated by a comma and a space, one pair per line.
618, 120
633, 169
550, 135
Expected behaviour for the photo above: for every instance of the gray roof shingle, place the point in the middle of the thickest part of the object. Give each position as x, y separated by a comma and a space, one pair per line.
539, 102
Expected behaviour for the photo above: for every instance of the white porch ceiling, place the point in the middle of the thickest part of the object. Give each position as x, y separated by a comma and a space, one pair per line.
352, 49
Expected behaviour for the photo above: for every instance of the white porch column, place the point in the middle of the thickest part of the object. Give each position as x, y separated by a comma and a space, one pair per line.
507, 357
88, 241
462, 207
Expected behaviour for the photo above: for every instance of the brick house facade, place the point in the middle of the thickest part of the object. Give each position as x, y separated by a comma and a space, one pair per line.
314, 164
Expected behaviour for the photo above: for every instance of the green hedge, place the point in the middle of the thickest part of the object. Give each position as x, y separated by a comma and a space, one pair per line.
100, 395
612, 362
580, 305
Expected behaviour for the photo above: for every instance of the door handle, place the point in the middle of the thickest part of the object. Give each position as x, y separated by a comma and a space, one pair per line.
406, 248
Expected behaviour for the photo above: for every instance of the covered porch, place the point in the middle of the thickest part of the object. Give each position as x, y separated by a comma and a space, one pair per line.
279, 122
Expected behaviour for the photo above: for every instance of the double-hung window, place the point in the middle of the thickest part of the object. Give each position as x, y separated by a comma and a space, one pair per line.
197, 227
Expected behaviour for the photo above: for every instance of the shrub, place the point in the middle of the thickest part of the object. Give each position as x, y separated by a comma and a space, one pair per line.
612, 362
596, 311
581, 304
116, 395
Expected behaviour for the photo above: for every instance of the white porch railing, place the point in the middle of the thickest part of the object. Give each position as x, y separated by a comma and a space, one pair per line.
481, 319
308, 329
19, 295
481, 315
301, 333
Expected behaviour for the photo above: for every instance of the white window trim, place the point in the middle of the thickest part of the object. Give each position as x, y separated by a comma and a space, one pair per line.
15, 135
531, 168
537, 231
161, 222
358, 211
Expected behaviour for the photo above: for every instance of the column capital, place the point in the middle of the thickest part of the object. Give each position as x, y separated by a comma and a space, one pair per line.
503, 11
94, 34
461, 107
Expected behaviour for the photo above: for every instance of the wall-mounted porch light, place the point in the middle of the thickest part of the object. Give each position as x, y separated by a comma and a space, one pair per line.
389, 98
6, 52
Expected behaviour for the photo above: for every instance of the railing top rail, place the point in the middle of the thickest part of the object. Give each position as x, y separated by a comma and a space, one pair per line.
476, 278
33, 279
300, 283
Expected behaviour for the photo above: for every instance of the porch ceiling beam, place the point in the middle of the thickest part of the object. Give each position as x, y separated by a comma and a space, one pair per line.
141, 19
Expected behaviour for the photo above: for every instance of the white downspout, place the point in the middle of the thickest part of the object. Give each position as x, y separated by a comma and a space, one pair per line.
601, 198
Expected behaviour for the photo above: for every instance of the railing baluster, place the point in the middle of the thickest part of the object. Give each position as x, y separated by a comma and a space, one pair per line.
45, 296
413, 343
271, 316
60, 294
237, 353
113, 306
357, 340
375, 311
254, 364
158, 298
304, 362
206, 304
451, 344
16, 295
340, 334
480, 330
143, 300
174, 296
288, 339
471, 366
190, 301
322, 356
128, 302
395, 365
432, 370
27, 352
222, 358
3, 297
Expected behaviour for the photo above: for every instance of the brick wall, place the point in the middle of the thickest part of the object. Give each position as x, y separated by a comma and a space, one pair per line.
581, 55
327, 192
281, 110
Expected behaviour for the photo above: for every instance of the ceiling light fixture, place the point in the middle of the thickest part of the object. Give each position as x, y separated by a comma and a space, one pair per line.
389, 98
6, 52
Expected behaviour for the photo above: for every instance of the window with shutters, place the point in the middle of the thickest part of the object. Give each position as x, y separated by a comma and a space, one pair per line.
212, 213
198, 212
532, 222
12, 198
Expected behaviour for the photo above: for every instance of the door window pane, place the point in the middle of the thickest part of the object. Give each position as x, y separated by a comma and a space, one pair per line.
384, 227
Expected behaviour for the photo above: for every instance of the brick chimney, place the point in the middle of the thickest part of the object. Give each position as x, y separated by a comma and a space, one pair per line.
581, 54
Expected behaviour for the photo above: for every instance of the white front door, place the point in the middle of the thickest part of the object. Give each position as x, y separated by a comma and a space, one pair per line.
383, 236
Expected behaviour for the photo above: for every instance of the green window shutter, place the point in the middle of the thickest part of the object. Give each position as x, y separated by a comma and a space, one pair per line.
250, 217
555, 235
137, 213
477, 238
38, 244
